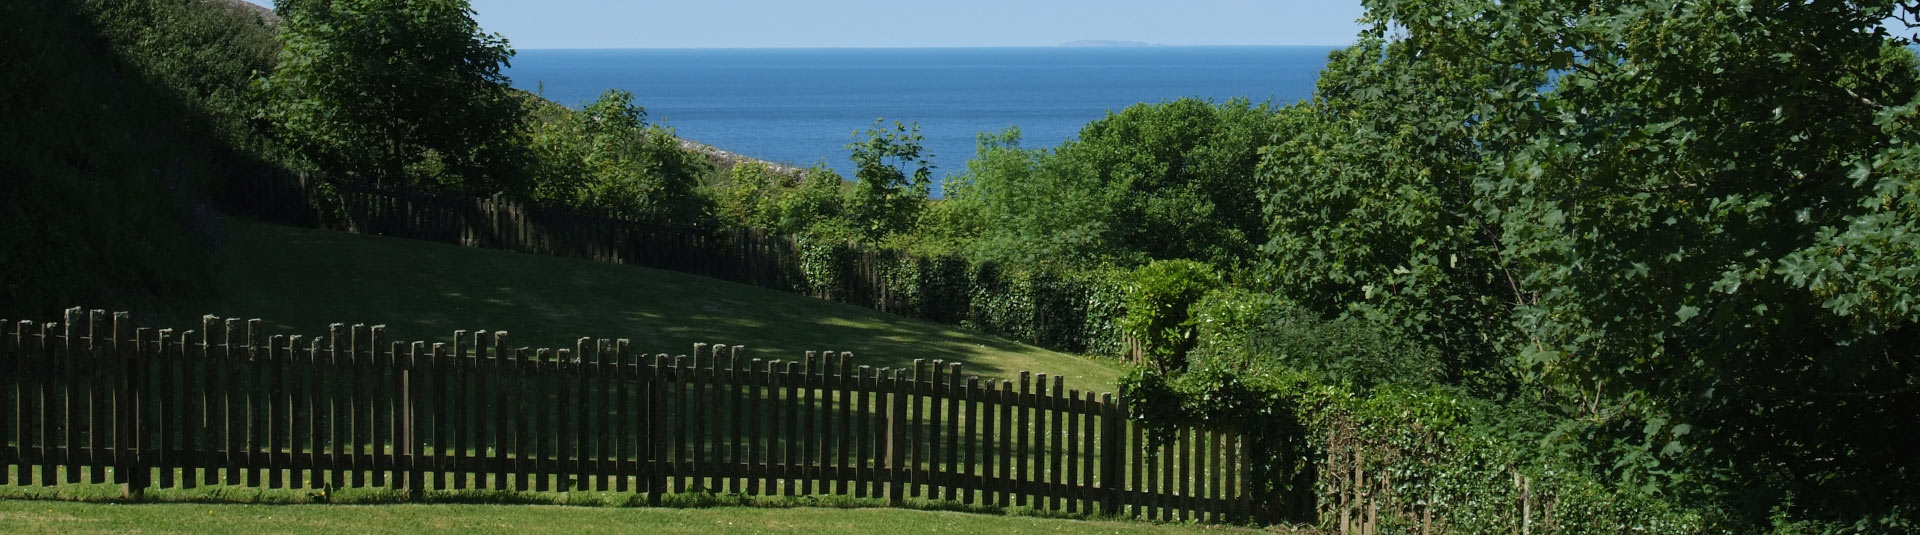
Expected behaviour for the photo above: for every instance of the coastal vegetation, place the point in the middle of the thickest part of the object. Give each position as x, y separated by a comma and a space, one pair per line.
1649, 266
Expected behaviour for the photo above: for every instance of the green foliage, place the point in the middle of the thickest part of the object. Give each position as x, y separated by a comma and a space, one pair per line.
887, 199
607, 159
1411, 451
1239, 329
751, 194
1155, 181
399, 92
1678, 228
207, 54
1158, 296
118, 115
1372, 212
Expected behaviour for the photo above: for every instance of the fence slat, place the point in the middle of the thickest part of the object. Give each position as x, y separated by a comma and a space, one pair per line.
656, 426
603, 406
951, 390
540, 381
934, 390
526, 393
845, 448
9, 405
1022, 406
1089, 415
916, 428
212, 404
564, 385
896, 438
316, 403
439, 373
624, 432
134, 415
71, 368
702, 415
269, 376
481, 423
98, 368
791, 439
1070, 452
805, 468
970, 480
863, 431
124, 430
756, 426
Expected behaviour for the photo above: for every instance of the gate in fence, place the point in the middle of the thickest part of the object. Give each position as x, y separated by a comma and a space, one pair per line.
94, 399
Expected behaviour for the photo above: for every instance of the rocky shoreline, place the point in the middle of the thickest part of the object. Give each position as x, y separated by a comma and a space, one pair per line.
723, 158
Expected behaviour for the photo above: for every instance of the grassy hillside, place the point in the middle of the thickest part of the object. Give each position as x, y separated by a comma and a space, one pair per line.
68, 518
298, 281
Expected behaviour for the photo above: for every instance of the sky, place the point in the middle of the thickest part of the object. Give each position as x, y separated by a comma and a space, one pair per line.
537, 24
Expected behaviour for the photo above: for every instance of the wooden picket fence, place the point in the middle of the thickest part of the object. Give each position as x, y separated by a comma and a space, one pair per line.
96, 399
740, 255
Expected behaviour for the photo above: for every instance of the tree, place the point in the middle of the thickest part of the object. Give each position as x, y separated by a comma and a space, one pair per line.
886, 198
1685, 224
1173, 180
396, 91
605, 157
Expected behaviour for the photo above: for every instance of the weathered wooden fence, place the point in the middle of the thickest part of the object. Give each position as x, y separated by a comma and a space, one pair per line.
96, 399
744, 256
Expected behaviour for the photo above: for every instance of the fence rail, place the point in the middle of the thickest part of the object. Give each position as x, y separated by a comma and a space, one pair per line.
96, 399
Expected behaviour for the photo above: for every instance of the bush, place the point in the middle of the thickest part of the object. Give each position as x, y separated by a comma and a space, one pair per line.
1239, 329
1158, 297
1407, 455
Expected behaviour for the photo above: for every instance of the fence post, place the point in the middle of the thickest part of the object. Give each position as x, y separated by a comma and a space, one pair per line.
129, 408
410, 462
1110, 456
896, 438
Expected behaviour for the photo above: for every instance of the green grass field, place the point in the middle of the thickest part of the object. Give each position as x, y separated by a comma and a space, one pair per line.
73, 518
298, 280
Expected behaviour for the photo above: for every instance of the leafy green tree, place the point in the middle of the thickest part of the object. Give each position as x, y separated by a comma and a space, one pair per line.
1032, 208
605, 157
396, 91
1155, 181
750, 195
1655, 203
887, 198
1372, 209
1683, 223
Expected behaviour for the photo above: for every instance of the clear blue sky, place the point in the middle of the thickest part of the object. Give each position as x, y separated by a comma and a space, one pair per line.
531, 24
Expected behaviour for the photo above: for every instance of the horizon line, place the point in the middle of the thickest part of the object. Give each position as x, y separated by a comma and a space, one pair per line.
931, 47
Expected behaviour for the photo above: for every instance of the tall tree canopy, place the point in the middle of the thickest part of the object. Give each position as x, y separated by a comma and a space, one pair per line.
397, 91
1688, 223
1172, 180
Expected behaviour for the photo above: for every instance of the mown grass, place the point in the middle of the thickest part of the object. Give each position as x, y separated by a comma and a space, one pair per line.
67, 518
299, 280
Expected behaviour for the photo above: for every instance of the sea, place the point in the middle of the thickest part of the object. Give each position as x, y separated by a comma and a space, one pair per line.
803, 106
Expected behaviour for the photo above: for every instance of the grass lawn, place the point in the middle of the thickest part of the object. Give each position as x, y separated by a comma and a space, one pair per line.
72, 518
299, 280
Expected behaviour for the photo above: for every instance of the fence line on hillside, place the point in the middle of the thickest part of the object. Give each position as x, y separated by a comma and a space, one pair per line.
746, 256
97, 399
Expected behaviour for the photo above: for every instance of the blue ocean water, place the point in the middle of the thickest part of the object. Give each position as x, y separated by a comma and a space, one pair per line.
802, 106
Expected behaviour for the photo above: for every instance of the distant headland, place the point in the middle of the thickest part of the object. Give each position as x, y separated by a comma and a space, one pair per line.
1104, 43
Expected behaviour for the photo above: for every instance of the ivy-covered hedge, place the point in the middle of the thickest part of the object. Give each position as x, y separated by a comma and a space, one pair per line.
1067, 311
1403, 459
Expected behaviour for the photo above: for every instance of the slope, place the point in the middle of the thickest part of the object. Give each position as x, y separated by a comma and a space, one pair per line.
298, 281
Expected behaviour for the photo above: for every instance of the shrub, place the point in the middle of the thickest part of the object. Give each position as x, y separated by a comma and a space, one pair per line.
1158, 297
1240, 329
